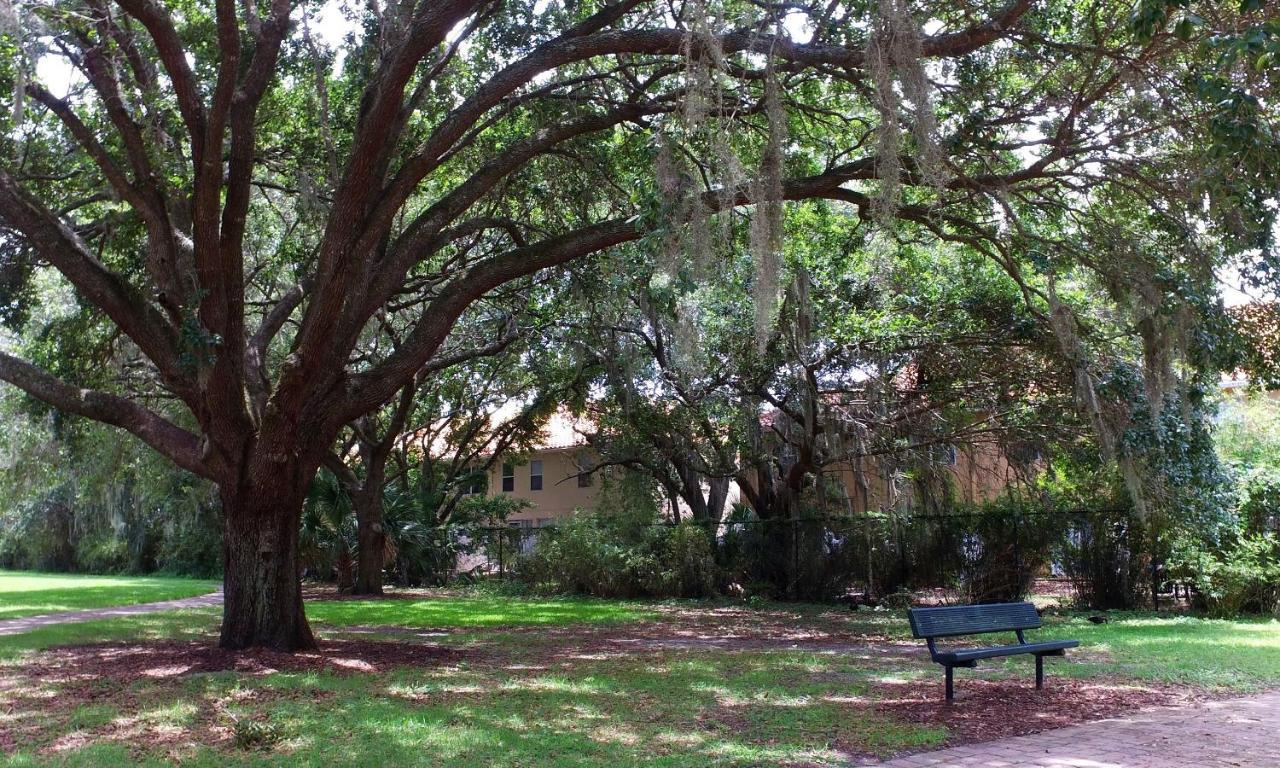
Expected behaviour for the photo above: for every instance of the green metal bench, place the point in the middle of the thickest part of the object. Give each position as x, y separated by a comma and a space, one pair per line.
930, 624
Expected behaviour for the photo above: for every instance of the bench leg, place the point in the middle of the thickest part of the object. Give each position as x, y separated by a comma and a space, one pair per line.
1039, 672
951, 689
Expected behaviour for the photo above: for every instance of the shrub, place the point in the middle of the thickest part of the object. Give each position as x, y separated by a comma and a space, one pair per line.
1235, 566
103, 554
687, 564
1103, 558
1259, 506
1243, 577
607, 557
578, 557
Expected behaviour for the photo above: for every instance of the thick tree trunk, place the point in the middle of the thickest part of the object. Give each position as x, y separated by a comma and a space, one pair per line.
717, 496
372, 542
262, 591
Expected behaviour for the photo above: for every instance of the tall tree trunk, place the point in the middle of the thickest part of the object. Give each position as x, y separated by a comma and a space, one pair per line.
717, 496
372, 540
262, 591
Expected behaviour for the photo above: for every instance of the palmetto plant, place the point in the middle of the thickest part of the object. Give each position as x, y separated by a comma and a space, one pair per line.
421, 549
418, 547
328, 534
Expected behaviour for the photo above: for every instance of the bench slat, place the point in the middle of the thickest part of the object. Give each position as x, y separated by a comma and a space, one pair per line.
951, 621
960, 655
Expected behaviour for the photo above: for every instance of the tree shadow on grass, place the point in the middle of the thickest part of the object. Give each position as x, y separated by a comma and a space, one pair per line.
390, 702
399, 708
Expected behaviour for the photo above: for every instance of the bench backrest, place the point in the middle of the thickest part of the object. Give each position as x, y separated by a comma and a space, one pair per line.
973, 619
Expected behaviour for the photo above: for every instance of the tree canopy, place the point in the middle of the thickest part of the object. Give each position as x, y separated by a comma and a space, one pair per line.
243, 209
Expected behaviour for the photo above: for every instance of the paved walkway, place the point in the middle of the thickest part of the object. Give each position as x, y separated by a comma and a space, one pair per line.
1237, 733
28, 623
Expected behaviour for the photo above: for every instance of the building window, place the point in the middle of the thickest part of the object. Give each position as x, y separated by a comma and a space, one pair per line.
477, 484
585, 466
508, 478
535, 475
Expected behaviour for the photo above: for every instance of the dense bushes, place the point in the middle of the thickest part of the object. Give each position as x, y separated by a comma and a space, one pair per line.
622, 549
1237, 569
1104, 558
122, 533
1241, 577
983, 556
1235, 564
1259, 500
610, 557
987, 554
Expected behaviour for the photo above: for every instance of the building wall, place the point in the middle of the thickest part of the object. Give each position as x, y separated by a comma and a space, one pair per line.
560, 494
980, 473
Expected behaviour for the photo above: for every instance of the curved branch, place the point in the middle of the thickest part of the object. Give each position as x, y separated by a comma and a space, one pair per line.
585, 42
425, 233
62, 247
174, 442
256, 349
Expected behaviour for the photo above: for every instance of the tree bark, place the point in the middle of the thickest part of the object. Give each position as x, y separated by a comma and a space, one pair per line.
262, 591
372, 540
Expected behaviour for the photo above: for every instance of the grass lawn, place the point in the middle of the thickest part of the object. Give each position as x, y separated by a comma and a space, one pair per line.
29, 594
469, 611
484, 681
1238, 654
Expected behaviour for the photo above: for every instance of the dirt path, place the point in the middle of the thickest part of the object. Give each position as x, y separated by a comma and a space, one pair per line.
28, 623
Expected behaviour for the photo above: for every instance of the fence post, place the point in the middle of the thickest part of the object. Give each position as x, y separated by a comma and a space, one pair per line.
871, 568
903, 568
795, 556
502, 574
1155, 569
1017, 551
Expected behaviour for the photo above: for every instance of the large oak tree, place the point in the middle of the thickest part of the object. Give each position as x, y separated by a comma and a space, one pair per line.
245, 206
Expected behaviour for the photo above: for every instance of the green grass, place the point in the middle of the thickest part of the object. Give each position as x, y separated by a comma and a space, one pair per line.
747, 709
523, 697
186, 624
30, 594
473, 612
1237, 654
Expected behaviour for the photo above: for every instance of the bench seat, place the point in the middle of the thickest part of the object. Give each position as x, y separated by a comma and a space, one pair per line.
932, 624
961, 655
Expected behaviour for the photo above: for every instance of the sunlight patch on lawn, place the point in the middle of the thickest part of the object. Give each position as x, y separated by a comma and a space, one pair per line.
473, 612
31, 594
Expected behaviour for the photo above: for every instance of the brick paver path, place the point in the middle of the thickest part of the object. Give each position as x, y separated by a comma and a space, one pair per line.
28, 623
1237, 733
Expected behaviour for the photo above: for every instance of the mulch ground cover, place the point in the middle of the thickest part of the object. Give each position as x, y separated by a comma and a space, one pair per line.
986, 710
126, 662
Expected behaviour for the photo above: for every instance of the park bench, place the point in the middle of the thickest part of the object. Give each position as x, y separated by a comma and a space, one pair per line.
930, 624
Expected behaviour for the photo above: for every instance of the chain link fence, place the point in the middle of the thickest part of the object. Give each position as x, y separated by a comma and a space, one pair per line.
1106, 558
